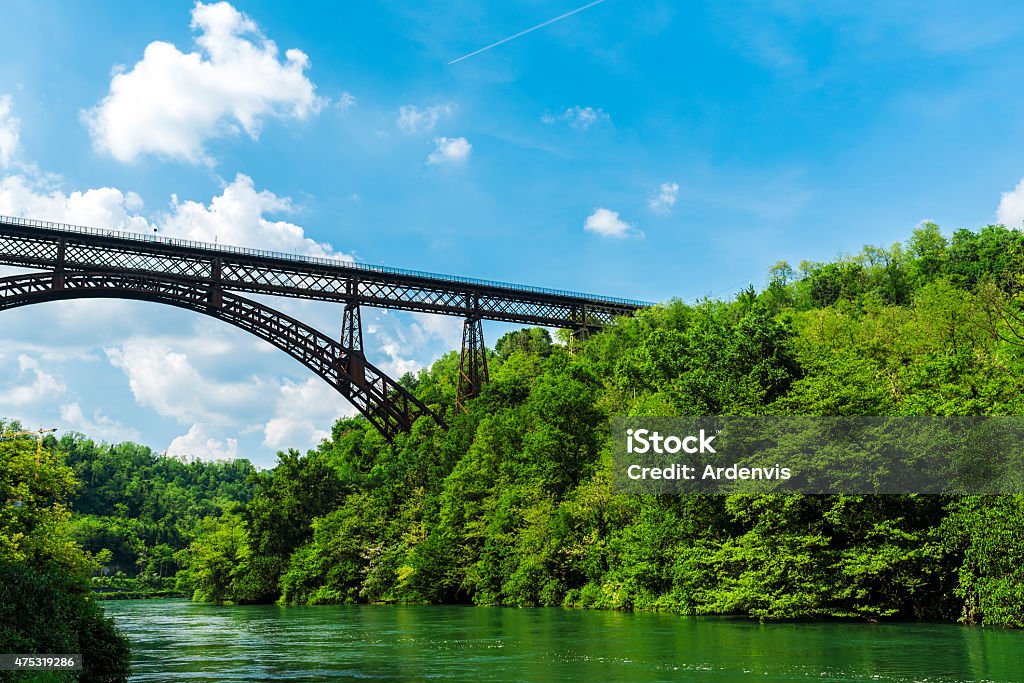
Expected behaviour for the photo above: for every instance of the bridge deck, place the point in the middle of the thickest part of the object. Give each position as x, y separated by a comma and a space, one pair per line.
41, 244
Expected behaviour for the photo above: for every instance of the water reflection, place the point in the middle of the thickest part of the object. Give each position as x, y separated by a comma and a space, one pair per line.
182, 641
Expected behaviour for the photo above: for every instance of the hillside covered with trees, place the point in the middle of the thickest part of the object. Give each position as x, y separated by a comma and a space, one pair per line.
512, 504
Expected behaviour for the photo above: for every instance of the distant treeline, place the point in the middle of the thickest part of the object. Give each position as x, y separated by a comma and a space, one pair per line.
136, 508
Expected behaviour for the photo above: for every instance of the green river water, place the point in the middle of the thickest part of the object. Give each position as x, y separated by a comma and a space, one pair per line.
176, 640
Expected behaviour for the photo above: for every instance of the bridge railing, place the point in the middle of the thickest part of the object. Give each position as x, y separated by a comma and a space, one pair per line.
314, 260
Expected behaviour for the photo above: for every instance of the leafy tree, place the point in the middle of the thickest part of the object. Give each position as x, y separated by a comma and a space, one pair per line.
216, 560
45, 601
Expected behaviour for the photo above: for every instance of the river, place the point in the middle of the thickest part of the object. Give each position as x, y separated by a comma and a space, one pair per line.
176, 640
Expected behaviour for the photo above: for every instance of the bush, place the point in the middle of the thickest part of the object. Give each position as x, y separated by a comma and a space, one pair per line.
44, 611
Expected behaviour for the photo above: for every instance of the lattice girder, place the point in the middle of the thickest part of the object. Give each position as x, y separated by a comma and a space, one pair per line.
385, 403
24, 243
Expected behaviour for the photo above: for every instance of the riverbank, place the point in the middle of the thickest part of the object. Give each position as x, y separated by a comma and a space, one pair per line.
135, 588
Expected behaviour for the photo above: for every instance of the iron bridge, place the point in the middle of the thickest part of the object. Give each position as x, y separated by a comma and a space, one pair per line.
77, 262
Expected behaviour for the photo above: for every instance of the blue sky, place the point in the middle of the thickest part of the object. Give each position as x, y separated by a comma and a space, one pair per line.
642, 149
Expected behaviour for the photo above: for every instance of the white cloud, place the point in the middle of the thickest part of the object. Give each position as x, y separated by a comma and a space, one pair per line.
99, 426
665, 199
443, 328
607, 223
346, 100
407, 340
171, 103
236, 217
47, 354
164, 376
578, 117
304, 414
38, 196
10, 132
164, 379
32, 386
396, 366
1011, 207
450, 151
198, 444
412, 119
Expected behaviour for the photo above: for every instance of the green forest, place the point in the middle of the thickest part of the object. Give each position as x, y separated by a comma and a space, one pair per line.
511, 504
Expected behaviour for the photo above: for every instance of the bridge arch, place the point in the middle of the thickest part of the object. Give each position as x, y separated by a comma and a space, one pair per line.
385, 403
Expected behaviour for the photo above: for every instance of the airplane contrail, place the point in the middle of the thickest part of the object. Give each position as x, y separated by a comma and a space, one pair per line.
529, 30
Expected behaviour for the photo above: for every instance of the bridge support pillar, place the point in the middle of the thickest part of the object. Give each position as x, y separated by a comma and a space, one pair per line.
58, 270
472, 363
215, 294
580, 329
352, 341
577, 337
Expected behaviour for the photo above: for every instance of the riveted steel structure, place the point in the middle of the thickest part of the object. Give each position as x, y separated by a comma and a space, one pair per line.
472, 363
387, 405
352, 328
84, 262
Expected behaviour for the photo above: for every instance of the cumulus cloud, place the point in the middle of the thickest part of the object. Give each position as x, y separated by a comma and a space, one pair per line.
443, 328
41, 197
10, 131
99, 426
171, 103
33, 385
665, 199
236, 217
178, 379
450, 151
412, 119
397, 364
578, 117
607, 223
1011, 207
408, 339
164, 379
304, 414
198, 444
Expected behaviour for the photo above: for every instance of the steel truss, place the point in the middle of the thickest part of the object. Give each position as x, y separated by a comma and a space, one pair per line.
86, 262
385, 403
472, 363
35, 244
